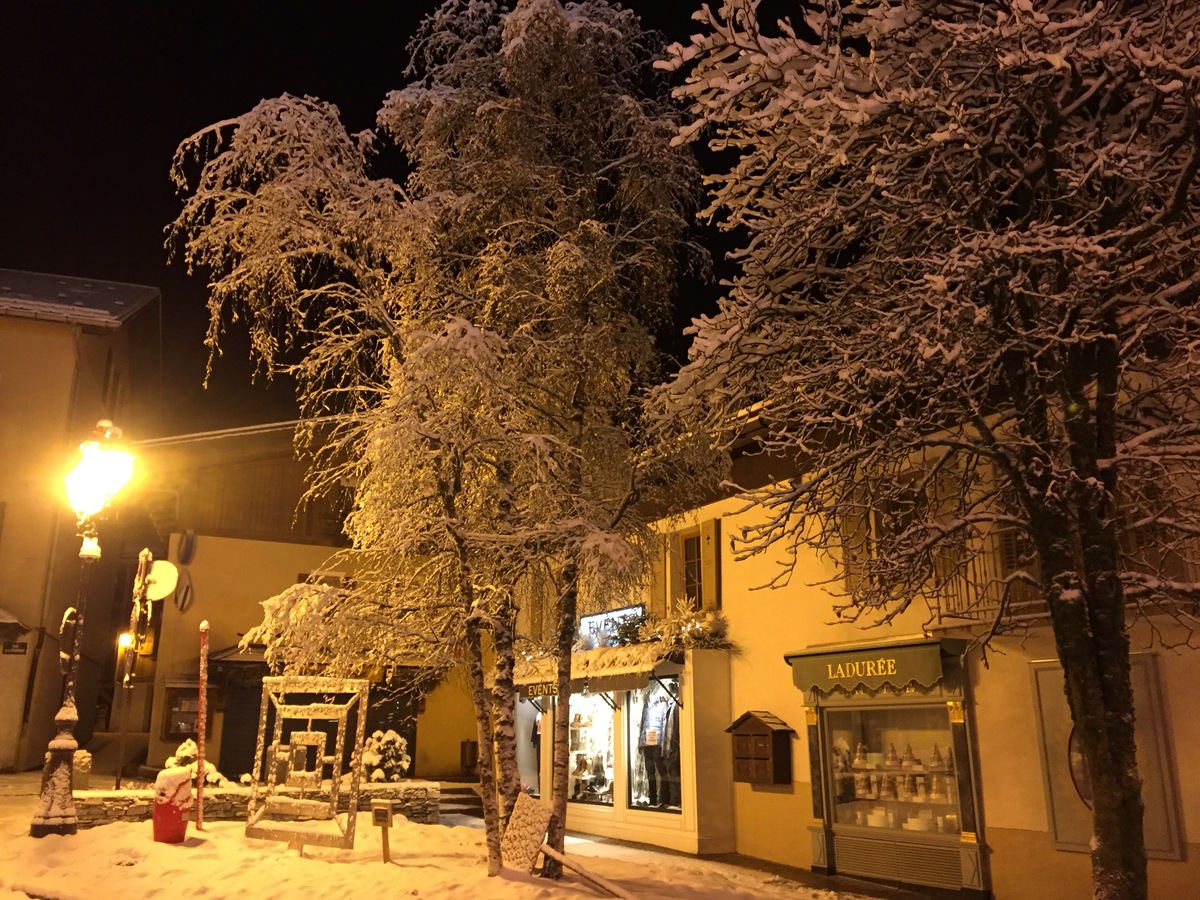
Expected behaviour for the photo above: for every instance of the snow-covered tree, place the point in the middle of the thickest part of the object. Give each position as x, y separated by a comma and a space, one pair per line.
967, 305
560, 212
472, 346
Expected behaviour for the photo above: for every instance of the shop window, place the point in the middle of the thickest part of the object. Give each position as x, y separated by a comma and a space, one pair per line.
893, 769
592, 745
529, 745
654, 760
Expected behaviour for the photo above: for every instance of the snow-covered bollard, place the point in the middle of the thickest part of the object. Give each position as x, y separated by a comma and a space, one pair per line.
172, 801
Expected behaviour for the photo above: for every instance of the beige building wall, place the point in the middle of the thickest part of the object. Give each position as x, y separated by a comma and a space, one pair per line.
52, 378
446, 720
1026, 864
772, 822
230, 579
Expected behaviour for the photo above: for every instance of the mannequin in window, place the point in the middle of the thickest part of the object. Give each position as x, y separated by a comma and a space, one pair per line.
535, 738
671, 791
656, 709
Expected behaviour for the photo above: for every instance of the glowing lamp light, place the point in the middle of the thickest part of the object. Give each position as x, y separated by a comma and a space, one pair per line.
101, 472
125, 641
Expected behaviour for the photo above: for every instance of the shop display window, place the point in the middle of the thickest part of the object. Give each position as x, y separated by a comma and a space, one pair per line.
653, 730
893, 769
529, 746
591, 737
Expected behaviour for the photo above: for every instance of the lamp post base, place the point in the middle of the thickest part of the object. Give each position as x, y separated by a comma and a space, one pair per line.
56, 801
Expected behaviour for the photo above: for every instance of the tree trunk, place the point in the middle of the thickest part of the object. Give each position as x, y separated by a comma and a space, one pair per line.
1099, 691
564, 644
449, 489
504, 715
487, 758
1087, 616
1092, 640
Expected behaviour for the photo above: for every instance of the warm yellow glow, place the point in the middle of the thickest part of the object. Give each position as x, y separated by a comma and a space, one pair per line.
100, 473
125, 641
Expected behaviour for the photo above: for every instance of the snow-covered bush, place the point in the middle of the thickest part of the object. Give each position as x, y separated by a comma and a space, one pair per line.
186, 754
385, 757
690, 630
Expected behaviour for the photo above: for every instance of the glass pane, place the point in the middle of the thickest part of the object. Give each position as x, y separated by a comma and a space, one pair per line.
893, 768
591, 736
529, 747
654, 747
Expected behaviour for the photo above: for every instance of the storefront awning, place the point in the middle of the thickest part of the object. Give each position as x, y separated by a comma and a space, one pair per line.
604, 670
852, 666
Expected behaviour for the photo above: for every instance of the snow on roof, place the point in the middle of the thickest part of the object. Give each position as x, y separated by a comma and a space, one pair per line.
78, 301
601, 663
772, 721
11, 627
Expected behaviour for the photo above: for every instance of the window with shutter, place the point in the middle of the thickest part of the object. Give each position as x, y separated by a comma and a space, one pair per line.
1147, 544
695, 568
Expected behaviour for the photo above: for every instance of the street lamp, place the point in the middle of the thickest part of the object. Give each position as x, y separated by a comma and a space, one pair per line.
123, 686
103, 469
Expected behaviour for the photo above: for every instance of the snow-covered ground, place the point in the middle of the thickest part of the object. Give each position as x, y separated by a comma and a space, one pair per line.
122, 860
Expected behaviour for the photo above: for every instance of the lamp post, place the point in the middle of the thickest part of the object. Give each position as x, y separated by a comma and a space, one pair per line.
103, 469
123, 686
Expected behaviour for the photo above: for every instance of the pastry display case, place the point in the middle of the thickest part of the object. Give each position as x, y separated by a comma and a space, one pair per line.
893, 769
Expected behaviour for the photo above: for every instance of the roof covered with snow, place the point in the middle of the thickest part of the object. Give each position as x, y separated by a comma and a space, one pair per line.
78, 301
603, 669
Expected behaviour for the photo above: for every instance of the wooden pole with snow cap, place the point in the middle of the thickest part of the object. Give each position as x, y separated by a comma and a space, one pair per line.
201, 774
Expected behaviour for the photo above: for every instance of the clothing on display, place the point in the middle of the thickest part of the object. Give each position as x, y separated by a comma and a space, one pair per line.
655, 762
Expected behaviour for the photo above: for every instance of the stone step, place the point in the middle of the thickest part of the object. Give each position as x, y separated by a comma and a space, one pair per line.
460, 799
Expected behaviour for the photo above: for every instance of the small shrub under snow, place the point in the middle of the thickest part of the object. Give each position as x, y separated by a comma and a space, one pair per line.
186, 755
385, 757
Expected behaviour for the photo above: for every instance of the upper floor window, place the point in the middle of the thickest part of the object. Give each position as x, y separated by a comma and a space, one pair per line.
686, 571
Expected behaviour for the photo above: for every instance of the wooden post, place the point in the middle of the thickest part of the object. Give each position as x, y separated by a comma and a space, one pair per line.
200, 774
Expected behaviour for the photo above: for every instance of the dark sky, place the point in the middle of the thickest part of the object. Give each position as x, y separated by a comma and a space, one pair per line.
96, 96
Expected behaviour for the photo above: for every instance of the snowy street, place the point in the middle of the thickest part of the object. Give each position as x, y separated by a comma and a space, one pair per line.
122, 860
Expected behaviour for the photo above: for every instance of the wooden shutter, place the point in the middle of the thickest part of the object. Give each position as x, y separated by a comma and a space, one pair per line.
656, 604
676, 595
710, 563
855, 531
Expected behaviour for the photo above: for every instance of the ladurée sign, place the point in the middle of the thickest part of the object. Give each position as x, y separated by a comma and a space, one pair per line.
861, 668
891, 666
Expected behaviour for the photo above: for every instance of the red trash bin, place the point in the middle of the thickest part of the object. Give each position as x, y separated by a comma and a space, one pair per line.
172, 802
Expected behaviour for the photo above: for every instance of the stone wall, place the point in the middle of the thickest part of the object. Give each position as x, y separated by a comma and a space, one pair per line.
419, 801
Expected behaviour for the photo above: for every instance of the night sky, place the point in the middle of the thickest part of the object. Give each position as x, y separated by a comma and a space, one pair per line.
96, 96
